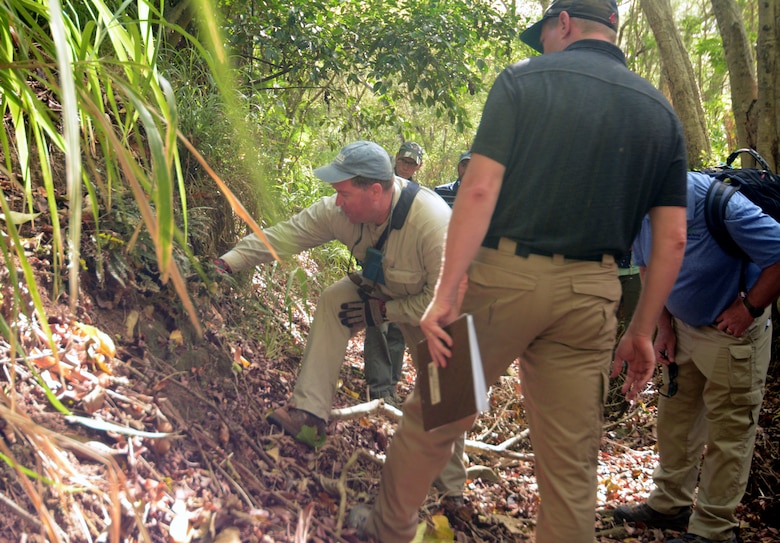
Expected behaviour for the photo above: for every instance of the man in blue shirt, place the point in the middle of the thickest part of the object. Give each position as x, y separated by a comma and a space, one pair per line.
714, 341
448, 191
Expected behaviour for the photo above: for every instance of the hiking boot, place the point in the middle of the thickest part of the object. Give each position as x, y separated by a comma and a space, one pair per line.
651, 518
693, 538
456, 509
358, 519
300, 424
391, 398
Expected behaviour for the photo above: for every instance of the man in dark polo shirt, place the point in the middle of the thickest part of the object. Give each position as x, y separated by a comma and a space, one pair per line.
572, 151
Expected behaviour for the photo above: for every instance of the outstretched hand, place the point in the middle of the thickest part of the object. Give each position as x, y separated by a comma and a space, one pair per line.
636, 353
221, 267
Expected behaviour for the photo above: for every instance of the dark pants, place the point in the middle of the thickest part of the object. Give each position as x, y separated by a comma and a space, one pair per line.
632, 286
383, 353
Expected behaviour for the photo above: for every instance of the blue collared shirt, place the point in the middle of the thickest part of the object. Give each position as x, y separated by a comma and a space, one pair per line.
709, 278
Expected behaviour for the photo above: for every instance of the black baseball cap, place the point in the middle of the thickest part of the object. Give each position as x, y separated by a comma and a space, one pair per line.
601, 11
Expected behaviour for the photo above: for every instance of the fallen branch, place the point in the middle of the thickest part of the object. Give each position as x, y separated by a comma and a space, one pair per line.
472, 446
34, 522
512, 440
478, 446
342, 485
630, 415
365, 409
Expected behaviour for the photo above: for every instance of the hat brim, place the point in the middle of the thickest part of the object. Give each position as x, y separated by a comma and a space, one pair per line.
332, 173
531, 36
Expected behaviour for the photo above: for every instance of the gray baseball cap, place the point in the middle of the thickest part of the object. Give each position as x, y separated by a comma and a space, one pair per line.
464, 156
410, 149
602, 11
364, 158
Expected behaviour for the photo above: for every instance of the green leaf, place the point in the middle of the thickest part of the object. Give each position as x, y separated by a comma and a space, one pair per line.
19, 218
311, 437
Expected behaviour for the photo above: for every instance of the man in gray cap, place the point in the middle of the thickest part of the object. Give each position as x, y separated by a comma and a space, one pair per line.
572, 151
448, 191
408, 160
403, 271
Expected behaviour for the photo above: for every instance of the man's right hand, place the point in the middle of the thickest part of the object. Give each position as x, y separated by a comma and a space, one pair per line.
221, 266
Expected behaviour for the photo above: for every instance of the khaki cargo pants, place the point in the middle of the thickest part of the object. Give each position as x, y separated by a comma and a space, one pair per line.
720, 386
559, 316
323, 357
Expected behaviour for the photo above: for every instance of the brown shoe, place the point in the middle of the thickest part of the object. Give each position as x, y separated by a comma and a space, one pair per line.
300, 424
455, 508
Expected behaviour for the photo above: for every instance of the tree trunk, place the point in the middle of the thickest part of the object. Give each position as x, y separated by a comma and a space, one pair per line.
684, 91
742, 71
768, 82
180, 13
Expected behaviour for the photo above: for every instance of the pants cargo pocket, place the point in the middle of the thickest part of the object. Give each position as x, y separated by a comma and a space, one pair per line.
744, 381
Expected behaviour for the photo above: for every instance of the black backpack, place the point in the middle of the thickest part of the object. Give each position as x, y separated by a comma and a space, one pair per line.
759, 185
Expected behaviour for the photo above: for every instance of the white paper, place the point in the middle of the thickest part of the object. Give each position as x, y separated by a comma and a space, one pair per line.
480, 388
433, 383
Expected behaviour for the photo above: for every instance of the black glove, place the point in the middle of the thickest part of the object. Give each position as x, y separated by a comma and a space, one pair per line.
368, 311
221, 266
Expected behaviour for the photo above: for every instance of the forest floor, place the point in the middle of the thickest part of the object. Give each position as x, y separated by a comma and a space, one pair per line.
165, 437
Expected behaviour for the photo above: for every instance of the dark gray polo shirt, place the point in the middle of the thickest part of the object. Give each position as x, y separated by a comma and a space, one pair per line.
589, 147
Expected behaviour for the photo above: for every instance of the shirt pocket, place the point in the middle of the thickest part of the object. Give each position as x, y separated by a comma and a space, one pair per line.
401, 283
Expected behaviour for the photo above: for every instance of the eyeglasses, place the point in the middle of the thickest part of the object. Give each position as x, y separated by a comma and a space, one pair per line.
672, 386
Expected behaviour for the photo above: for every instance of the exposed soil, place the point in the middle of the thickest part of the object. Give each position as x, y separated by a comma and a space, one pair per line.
167, 439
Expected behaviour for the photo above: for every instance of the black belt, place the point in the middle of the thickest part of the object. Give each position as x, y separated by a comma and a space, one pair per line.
491, 242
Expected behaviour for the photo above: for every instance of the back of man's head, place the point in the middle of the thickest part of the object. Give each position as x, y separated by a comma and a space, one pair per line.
603, 12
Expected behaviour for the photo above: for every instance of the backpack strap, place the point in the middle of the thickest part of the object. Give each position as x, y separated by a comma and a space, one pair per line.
715, 202
400, 211
753, 153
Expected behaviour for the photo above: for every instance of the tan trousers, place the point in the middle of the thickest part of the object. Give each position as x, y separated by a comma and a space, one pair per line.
324, 356
559, 316
720, 386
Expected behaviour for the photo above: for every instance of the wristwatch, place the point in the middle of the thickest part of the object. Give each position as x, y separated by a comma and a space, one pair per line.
755, 312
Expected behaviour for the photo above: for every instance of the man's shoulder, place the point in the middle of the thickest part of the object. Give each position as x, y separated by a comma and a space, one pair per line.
445, 188
430, 198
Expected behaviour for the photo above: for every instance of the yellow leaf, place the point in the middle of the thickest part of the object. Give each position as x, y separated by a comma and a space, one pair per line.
104, 343
419, 537
176, 338
130, 322
274, 453
442, 529
100, 360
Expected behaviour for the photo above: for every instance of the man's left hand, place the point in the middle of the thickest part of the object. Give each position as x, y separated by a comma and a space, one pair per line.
735, 319
368, 311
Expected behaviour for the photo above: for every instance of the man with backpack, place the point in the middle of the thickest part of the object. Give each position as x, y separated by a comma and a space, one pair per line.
714, 342
395, 229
